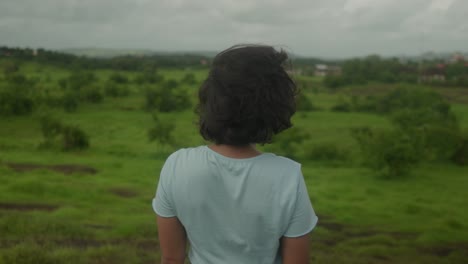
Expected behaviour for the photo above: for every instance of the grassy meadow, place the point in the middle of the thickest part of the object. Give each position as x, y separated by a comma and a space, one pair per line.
94, 205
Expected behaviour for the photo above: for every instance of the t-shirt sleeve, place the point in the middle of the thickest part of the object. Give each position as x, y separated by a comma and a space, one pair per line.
162, 202
303, 218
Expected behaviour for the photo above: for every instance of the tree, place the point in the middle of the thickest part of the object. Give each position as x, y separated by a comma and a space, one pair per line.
161, 131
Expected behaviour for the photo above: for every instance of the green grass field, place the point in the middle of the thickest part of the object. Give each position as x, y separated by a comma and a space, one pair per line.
94, 206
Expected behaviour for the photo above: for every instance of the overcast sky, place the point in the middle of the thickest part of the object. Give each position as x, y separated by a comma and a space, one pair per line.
320, 28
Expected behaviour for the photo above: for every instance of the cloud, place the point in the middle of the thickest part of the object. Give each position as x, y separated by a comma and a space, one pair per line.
320, 28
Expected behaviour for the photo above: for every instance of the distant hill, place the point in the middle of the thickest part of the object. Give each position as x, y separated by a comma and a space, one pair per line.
105, 53
110, 53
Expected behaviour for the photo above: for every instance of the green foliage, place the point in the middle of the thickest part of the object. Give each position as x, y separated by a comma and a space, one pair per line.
74, 138
10, 67
167, 97
55, 133
372, 69
288, 142
149, 76
162, 131
326, 151
189, 78
305, 104
391, 154
77, 80
425, 129
342, 106
333, 81
366, 104
460, 155
92, 94
70, 101
435, 126
412, 98
17, 95
118, 78
115, 89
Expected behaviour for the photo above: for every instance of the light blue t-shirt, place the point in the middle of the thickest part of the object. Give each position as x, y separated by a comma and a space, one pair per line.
234, 210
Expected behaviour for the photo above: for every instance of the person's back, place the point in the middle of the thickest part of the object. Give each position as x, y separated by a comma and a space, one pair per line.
233, 203
235, 210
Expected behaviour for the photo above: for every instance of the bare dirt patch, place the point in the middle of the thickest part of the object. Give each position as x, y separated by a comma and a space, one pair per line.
123, 192
28, 207
342, 232
63, 168
445, 250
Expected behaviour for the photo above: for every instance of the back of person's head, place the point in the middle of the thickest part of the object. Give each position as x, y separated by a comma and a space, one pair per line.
247, 97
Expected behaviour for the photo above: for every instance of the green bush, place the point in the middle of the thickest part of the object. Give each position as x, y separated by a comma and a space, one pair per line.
366, 104
391, 154
460, 155
189, 78
161, 131
150, 77
74, 138
342, 106
305, 104
92, 94
118, 78
436, 129
114, 89
78, 80
15, 102
167, 98
67, 137
326, 151
10, 67
333, 82
287, 143
70, 101
412, 98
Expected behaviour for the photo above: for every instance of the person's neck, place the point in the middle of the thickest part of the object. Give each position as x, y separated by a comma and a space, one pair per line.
237, 152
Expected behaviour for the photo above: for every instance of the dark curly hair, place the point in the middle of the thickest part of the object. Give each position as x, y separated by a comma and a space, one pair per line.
247, 97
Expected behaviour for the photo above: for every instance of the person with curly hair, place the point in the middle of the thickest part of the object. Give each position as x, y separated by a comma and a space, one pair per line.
230, 202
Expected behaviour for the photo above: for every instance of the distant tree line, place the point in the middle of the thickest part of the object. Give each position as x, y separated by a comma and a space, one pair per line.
376, 69
124, 63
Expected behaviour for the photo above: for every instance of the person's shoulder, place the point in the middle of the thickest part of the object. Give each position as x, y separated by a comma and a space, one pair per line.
284, 162
186, 152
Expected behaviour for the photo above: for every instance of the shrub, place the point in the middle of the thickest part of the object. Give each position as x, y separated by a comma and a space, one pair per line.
326, 151
436, 129
78, 80
92, 94
118, 78
10, 67
74, 138
149, 76
287, 143
67, 137
189, 78
15, 102
366, 104
391, 154
114, 89
333, 82
161, 131
411, 98
305, 104
460, 155
342, 106
167, 98
70, 101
